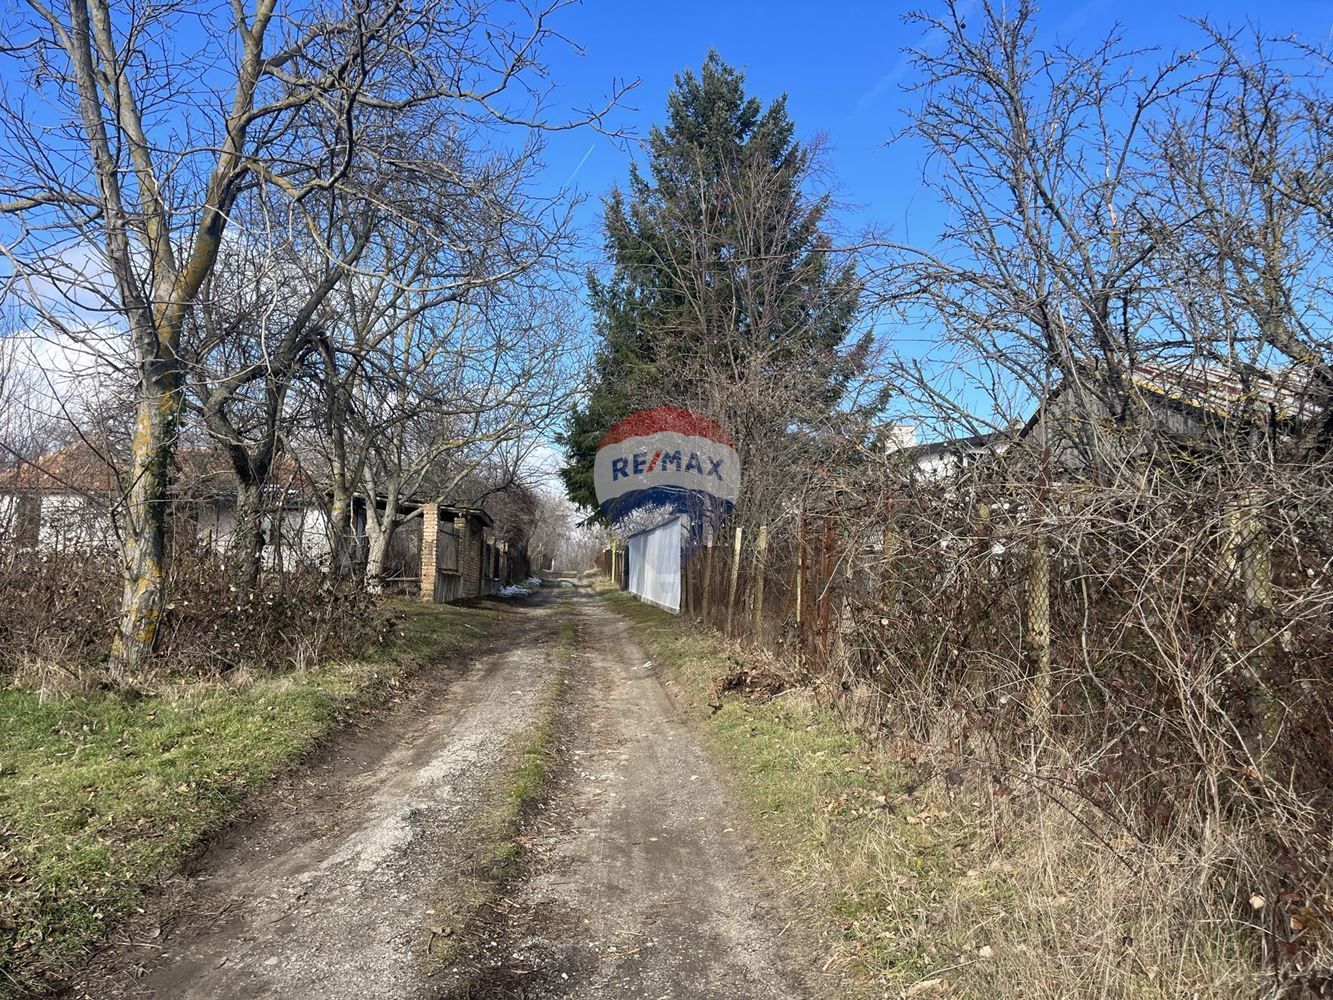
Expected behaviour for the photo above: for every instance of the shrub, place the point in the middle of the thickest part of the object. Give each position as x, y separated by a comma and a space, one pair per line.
61, 615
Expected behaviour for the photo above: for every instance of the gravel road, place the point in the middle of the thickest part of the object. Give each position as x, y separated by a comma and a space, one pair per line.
638, 880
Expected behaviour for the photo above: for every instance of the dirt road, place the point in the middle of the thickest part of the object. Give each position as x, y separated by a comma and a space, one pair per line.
637, 881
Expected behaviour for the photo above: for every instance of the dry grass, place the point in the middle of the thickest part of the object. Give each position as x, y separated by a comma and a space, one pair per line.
1019, 898
931, 881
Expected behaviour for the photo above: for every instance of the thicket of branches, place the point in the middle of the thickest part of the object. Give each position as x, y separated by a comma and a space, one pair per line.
302, 247
1119, 602
1111, 601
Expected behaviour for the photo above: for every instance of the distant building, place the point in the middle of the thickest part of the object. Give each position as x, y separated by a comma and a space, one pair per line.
949, 456
67, 502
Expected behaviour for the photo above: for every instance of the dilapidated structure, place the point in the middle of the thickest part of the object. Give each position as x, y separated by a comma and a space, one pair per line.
461, 556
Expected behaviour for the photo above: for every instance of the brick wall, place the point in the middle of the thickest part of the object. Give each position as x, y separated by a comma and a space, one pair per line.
430, 533
472, 577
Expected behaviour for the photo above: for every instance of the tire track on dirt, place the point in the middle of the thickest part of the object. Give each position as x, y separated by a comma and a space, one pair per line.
641, 883
330, 893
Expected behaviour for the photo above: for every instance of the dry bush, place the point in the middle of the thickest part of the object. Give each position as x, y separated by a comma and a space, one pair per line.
56, 634
292, 620
1173, 752
58, 614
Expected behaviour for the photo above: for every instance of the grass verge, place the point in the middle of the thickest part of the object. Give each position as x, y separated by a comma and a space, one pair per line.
926, 886
101, 795
798, 772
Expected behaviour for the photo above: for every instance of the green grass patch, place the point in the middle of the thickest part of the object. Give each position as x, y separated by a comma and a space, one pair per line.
837, 818
497, 840
525, 783
102, 794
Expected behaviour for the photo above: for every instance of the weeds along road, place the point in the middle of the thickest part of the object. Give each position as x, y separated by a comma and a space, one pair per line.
538, 824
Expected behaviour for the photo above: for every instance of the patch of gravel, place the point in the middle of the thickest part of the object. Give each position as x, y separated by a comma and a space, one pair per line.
329, 895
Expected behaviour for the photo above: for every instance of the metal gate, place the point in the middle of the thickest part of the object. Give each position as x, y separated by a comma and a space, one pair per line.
654, 565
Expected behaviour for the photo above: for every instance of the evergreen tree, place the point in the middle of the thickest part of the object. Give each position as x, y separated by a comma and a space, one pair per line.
725, 294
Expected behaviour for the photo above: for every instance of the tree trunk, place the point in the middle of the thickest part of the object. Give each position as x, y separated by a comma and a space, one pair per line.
1247, 562
247, 539
339, 566
145, 520
706, 589
760, 568
381, 534
1039, 628
799, 588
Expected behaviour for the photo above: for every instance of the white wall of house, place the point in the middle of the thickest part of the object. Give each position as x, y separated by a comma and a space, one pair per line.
9, 516
302, 533
215, 524
69, 522
305, 535
73, 523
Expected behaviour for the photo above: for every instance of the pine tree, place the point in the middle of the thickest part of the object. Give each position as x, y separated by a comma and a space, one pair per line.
724, 294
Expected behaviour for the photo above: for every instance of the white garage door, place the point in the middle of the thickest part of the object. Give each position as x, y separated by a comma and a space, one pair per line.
654, 565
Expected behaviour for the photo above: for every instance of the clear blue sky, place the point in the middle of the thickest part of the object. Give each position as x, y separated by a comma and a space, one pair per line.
840, 64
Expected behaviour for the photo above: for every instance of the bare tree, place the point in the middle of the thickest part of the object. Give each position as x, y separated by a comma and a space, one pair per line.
1247, 190
260, 316
1130, 291
135, 231
446, 392
1042, 161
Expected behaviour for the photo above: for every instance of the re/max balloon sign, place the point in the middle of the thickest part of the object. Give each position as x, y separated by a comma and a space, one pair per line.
667, 457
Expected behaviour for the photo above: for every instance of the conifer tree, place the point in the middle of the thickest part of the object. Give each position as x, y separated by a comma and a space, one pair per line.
725, 293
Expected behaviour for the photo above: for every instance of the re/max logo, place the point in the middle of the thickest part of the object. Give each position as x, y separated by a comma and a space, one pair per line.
640, 464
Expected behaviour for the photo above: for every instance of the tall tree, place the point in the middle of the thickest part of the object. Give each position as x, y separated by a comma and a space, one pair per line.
132, 131
725, 292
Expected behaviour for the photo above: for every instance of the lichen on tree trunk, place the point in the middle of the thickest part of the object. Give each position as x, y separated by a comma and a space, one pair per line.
247, 540
145, 519
339, 567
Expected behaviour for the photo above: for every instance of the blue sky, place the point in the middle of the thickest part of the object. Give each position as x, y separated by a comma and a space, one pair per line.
840, 64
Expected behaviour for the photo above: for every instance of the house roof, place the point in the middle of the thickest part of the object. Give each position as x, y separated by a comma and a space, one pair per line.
467, 511
76, 468
203, 473
970, 442
1228, 391
410, 504
1215, 391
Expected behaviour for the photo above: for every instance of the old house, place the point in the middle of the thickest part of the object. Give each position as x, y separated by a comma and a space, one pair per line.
66, 502
1165, 412
63, 503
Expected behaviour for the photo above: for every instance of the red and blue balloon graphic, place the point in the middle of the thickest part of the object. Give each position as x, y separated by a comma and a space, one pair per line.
670, 458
